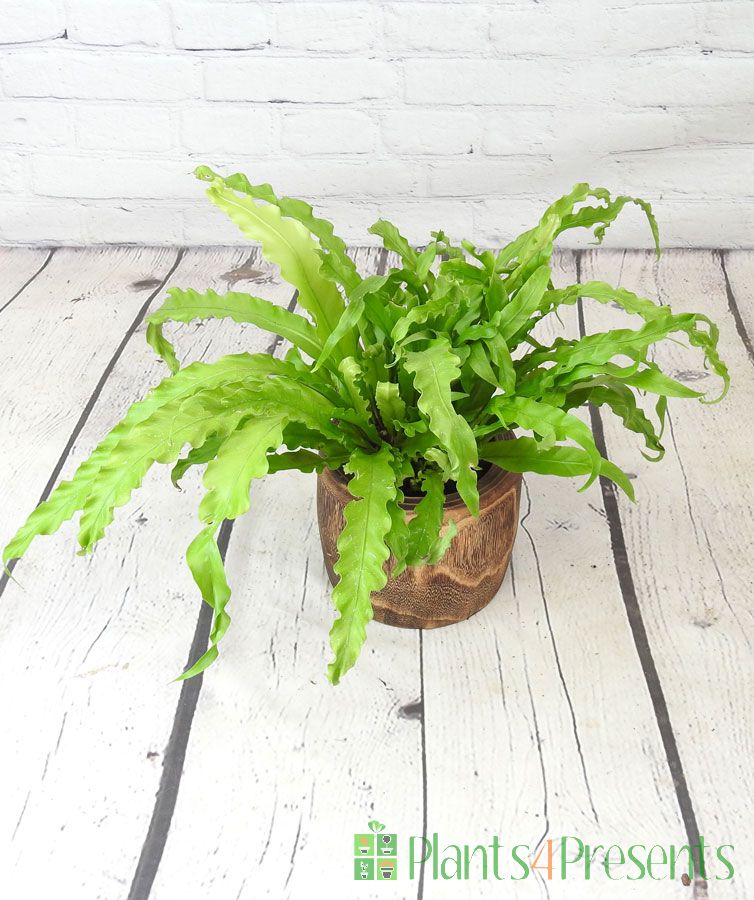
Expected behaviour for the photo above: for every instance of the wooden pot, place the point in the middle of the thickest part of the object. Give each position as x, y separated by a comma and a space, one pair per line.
469, 575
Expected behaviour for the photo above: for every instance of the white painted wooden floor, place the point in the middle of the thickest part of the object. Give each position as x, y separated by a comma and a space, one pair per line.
605, 693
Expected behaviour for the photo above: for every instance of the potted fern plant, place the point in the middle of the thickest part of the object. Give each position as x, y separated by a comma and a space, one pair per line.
418, 396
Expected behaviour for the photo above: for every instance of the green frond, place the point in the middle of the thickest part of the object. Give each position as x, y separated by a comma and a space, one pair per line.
158, 439
188, 305
69, 497
240, 459
336, 264
288, 244
424, 527
435, 369
549, 422
525, 454
207, 568
362, 554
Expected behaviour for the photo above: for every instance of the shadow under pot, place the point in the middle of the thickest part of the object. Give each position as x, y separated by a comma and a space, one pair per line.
470, 573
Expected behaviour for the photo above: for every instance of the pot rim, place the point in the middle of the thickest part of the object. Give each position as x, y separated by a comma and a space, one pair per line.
490, 479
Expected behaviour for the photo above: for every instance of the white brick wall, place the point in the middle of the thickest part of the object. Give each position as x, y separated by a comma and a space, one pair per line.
469, 116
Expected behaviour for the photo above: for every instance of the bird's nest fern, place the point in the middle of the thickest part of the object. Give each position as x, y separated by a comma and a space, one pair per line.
409, 375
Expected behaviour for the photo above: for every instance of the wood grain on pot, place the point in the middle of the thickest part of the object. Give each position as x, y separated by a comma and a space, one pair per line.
470, 573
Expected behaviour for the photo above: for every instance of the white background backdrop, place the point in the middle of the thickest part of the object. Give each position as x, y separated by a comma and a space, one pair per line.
468, 116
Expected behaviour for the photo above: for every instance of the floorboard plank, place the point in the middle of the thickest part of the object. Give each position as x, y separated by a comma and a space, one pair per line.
737, 267
19, 266
689, 544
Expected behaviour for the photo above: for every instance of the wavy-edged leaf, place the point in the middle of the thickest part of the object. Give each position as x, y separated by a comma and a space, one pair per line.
301, 459
478, 332
463, 270
390, 404
621, 401
69, 496
476, 395
598, 348
655, 381
650, 379
480, 365
241, 458
300, 402
445, 247
296, 435
593, 290
604, 293
438, 305
374, 365
425, 259
567, 216
313, 409
525, 454
434, 370
466, 314
413, 428
187, 305
160, 438
393, 240
337, 265
531, 250
381, 316
362, 554
485, 257
534, 247
424, 527
206, 565
707, 342
604, 216
289, 245
550, 422
586, 375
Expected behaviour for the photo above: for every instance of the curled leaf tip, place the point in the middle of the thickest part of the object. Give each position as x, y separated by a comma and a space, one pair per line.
717, 399
204, 173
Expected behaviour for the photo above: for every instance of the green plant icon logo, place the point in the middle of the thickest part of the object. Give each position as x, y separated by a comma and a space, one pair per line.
375, 854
